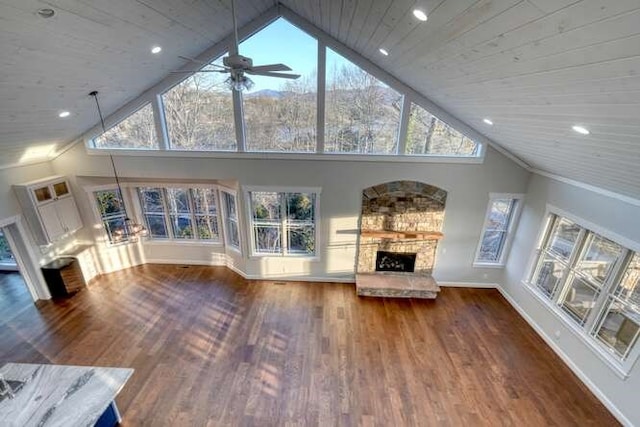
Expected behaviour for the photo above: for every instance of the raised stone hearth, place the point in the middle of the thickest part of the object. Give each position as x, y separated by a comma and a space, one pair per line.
397, 286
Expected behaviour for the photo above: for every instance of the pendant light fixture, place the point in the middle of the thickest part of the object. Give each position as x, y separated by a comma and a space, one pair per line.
130, 231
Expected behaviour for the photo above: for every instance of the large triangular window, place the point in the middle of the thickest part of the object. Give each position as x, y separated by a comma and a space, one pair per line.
280, 114
362, 114
199, 113
135, 132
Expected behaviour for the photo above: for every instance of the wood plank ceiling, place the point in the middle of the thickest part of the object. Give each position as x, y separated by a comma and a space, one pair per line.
534, 67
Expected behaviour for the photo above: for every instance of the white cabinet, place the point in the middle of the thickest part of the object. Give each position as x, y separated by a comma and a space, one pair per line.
49, 208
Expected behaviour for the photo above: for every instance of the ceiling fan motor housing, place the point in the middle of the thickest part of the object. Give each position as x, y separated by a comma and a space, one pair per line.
237, 62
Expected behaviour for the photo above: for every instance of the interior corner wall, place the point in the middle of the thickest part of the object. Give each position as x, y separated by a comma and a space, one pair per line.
609, 213
342, 182
9, 205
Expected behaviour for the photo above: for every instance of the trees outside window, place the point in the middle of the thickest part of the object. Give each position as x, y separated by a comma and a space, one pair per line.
180, 213
428, 135
135, 132
592, 282
199, 113
279, 114
362, 114
283, 223
111, 211
502, 214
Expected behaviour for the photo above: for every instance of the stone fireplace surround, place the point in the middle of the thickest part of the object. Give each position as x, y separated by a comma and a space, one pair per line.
403, 217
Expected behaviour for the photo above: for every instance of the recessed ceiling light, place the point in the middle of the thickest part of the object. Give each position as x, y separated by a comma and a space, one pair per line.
46, 12
384, 51
581, 130
420, 14
488, 121
156, 49
64, 114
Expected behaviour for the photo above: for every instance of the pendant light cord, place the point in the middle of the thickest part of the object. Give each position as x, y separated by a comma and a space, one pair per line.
113, 164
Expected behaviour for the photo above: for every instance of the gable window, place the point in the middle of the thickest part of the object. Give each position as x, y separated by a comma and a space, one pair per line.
502, 214
199, 112
428, 135
359, 114
111, 211
283, 223
362, 114
231, 227
135, 132
593, 282
280, 114
180, 213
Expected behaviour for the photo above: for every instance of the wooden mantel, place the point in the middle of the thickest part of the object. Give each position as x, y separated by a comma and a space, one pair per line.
392, 234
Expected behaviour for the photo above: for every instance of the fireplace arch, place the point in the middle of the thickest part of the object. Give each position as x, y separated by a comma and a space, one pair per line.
401, 217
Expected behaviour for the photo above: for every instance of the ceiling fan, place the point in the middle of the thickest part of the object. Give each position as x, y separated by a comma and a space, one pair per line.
238, 66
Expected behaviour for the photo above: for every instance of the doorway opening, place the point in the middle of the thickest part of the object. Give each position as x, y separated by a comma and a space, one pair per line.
20, 274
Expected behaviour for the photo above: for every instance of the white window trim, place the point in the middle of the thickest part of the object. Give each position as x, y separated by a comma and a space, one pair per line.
114, 121
513, 223
324, 41
223, 206
621, 368
169, 240
128, 201
279, 189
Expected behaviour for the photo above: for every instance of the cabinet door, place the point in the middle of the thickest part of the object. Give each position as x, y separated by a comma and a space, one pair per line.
60, 189
42, 194
51, 221
68, 214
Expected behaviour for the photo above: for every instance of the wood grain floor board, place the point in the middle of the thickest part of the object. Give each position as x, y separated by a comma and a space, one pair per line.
212, 349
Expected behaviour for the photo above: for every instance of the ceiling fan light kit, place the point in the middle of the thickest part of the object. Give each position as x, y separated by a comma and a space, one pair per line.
238, 65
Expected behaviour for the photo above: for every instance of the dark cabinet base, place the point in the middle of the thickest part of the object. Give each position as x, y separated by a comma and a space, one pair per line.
63, 276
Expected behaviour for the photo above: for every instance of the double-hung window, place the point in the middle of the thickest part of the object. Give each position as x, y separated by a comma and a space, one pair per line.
231, 228
112, 212
283, 223
180, 213
502, 215
593, 282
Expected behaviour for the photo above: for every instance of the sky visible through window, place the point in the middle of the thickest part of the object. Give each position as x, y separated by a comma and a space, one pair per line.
282, 42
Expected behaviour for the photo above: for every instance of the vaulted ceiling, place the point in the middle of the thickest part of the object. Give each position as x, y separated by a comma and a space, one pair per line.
534, 67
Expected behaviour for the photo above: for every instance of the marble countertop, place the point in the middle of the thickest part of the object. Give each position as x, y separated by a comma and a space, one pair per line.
57, 395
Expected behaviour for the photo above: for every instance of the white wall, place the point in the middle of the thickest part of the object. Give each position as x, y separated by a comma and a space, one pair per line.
9, 205
468, 187
609, 213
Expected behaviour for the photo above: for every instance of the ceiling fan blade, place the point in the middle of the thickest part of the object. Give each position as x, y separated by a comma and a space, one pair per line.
270, 74
199, 71
271, 67
201, 62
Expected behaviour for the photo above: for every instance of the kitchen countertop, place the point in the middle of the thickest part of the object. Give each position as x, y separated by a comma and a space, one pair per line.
57, 395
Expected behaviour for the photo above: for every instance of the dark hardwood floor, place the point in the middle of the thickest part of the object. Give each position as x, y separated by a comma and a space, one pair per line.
210, 348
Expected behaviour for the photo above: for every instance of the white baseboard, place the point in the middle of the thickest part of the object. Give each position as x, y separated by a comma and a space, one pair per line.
216, 263
468, 285
567, 360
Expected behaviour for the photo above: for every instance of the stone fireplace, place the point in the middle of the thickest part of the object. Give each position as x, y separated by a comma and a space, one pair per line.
401, 225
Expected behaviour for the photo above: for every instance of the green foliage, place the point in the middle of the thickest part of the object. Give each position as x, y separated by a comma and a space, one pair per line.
5, 250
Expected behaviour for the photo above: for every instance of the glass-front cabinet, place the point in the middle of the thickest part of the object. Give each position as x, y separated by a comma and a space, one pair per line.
49, 208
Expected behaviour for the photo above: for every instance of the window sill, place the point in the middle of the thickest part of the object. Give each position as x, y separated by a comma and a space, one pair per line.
310, 258
488, 264
602, 353
288, 156
164, 242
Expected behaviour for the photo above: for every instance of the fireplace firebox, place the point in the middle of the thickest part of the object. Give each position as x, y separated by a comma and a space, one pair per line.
395, 261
